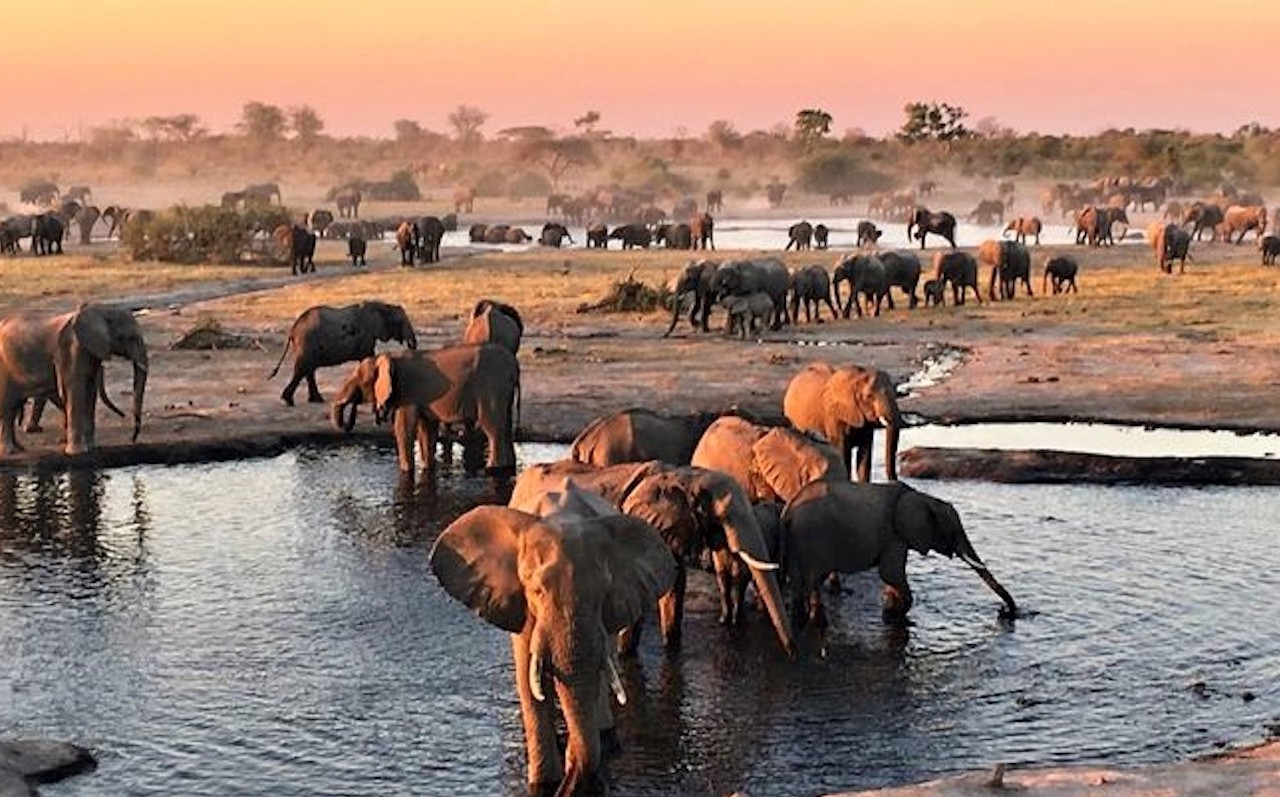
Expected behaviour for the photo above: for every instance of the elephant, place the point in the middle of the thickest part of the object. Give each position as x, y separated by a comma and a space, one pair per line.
476, 233
428, 233
515, 235
67, 213
747, 314
1010, 263
694, 281
319, 220
799, 235
901, 270
464, 199
1169, 242
496, 233
39, 192
868, 233
811, 286
1242, 219
323, 336
1094, 225
639, 435
562, 585
715, 201
348, 201
476, 384
694, 510
702, 230
262, 194
1061, 270
768, 463
80, 193
1204, 216
494, 322
232, 200
843, 527
356, 249
554, 234
926, 187
12, 230
1006, 189
922, 222
85, 219
114, 216
866, 277
632, 235
1022, 227
673, 236
1269, 245
652, 216
407, 243
745, 277
988, 211
934, 293
960, 269
821, 236
597, 235
302, 250
774, 192
47, 231
845, 405
61, 357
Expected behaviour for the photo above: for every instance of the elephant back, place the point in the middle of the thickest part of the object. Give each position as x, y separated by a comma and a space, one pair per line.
634, 435
802, 403
787, 460
726, 447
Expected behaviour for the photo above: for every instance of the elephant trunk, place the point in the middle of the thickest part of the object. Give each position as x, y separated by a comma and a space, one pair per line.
970, 557
346, 421
893, 427
766, 581
677, 300
139, 390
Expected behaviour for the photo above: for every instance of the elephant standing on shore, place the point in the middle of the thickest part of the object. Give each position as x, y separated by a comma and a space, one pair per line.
1204, 216
554, 235
821, 236
323, 336
673, 236
866, 277
319, 220
845, 406
695, 282
811, 287
1269, 245
868, 234
428, 232
901, 270
639, 435
960, 269
988, 211
632, 235
1169, 242
47, 232
1242, 219
799, 235
597, 235
1010, 263
348, 201
61, 358
922, 222
842, 527
1061, 271
494, 322
762, 275
86, 218
464, 199
1024, 227
563, 586
702, 231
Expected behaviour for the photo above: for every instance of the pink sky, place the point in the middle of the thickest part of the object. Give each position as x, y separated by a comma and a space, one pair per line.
1074, 67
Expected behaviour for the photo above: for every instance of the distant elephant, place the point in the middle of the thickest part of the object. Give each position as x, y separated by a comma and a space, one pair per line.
1204, 216
702, 231
745, 277
302, 250
1061, 271
1169, 242
1269, 245
715, 201
85, 220
554, 234
39, 192
902, 271
562, 586
323, 336
693, 510
694, 281
768, 463
1094, 225
811, 287
842, 527
474, 384
47, 232
774, 192
61, 358
517, 235
1005, 189
866, 276
494, 322
232, 200
821, 236
476, 233
960, 269
652, 216
639, 435
356, 249
597, 235
845, 405
632, 235
868, 233
348, 202
79, 193
988, 211
1242, 219
428, 233
319, 220
114, 216
1022, 227
934, 293
673, 236
748, 314
406, 243
464, 199
262, 194
799, 235
922, 222
496, 233
449, 222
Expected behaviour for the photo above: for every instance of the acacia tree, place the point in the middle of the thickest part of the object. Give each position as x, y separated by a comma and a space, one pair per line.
262, 122
811, 125
407, 130
933, 121
466, 121
557, 156
306, 123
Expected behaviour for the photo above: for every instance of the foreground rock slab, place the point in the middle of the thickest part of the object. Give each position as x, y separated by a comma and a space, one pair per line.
1036, 466
1250, 771
26, 762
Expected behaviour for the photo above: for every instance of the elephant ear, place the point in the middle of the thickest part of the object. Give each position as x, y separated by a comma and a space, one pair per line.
926, 523
848, 397
92, 332
475, 560
641, 566
384, 382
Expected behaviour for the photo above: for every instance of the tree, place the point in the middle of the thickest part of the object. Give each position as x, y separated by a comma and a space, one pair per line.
524, 133
587, 122
558, 155
262, 122
407, 130
306, 123
466, 121
722, 133
811, 125
933, 121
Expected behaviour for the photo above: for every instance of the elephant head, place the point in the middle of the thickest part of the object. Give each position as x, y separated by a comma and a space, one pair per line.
494, 322
694, 281
845, 405
390, 322
356, 389
90, 337
563, 586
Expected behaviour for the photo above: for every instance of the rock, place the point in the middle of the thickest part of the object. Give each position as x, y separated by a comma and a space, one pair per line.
43, 761
14, 785
1070, 467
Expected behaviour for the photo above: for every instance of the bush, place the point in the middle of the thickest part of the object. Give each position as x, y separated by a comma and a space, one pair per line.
840, 172
207, 234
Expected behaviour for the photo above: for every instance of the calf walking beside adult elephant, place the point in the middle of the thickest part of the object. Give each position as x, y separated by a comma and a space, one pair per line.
846, 405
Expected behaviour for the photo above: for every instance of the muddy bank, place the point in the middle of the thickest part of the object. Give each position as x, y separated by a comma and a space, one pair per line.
1037, 466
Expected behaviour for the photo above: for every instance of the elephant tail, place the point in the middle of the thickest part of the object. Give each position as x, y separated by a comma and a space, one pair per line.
287, 342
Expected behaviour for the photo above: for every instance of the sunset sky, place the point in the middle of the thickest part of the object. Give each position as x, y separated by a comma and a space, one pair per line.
655, 68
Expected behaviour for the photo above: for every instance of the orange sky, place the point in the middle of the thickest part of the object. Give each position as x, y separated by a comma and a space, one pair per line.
1072, 66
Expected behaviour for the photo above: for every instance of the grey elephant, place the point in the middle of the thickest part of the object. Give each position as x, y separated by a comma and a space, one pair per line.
1060, 270
562, 586
302, 250
868, 233
747, 315
768, 463
497, 322
632, 236
799, 235
85, 219
1204, 216
323, 336
694, 282
47, 232
960, 270
845, 406
319, 220
639, 435
428, 232
745, 277
835, 527
348, 201
477, 385
867, 278
923, 221
554, 235
597, 235
693, 510
1269, 245
357, 248
1169, 242
1010, 264
902, 271
61, 358
811, 287
934, 293
821, 236
673, 236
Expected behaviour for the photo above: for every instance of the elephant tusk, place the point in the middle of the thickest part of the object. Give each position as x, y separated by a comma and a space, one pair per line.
535, 678
755, 563
971, 562
615, 680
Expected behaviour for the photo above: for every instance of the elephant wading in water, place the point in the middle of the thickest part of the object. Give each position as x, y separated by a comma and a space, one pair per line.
477, 385
769, 464
494, 322
922, 222
562, 585
639, 435
845, 405
61, 358
324, 336
834, 527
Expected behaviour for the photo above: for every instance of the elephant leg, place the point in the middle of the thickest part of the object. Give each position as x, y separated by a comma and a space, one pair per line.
896, 593
404, 428
725, 583
300, 372
671, 610
545, 764
818, 619
8, 438
37, 411
474, 458
864, 440
313, 390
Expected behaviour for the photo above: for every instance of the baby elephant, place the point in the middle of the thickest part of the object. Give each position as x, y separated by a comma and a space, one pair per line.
868, 233
1061, 271
1270, 246
356, 247
933, 293
747, 314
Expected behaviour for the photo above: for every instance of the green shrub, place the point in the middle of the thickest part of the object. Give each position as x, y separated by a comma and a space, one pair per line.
207, 234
